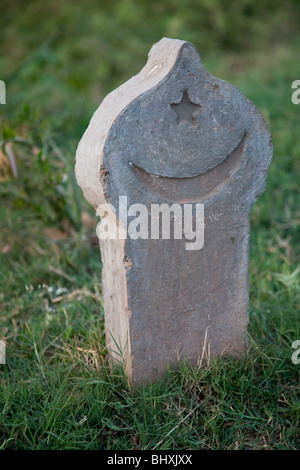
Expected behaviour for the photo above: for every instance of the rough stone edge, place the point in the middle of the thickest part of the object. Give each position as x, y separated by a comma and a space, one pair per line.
162, 58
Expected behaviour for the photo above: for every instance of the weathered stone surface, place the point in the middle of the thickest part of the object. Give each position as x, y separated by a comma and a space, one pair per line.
176, 134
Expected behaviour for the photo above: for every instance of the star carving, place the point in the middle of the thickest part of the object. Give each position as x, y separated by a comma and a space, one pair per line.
186, 110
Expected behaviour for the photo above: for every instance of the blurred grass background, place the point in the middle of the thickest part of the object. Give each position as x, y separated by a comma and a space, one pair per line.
58, 60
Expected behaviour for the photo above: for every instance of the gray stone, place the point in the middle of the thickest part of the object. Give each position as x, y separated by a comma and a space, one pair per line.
176, 134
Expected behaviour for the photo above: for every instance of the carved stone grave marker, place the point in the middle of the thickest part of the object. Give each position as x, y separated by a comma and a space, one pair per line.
174, 140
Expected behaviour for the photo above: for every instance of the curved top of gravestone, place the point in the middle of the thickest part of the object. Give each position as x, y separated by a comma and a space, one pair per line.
174, 133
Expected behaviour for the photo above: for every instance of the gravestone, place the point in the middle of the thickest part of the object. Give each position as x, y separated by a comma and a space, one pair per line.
174, 135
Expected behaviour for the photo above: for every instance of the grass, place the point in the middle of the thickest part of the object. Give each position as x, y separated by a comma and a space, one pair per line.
56, 389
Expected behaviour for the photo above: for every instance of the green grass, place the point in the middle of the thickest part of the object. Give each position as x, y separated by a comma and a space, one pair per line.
56, 389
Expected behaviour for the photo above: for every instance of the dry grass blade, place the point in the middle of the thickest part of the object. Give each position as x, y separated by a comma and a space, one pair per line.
75, 293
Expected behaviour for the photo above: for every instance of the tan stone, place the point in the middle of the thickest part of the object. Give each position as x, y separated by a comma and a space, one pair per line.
174, 134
